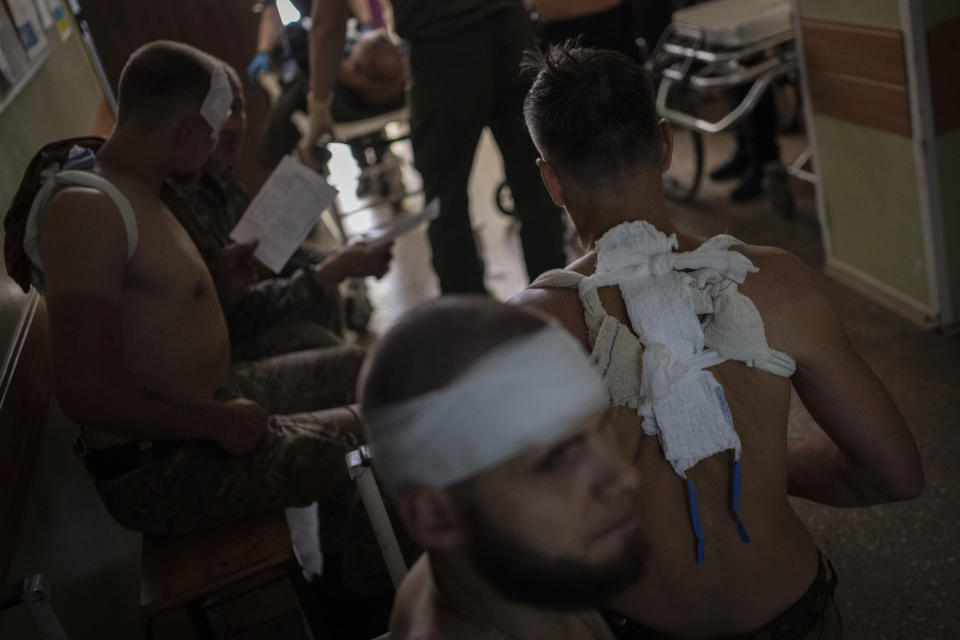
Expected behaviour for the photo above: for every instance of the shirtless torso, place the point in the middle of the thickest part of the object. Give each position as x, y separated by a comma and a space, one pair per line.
145, 337
740, 586
419, 613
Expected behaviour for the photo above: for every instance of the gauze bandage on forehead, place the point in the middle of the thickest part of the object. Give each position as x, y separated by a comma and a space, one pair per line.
216, 105
526, 392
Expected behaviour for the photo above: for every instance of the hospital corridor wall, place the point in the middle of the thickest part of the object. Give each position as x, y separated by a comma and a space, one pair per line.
51, 518
884, 111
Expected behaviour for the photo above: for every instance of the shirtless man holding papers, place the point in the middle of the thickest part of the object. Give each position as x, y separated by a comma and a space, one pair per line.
140, 346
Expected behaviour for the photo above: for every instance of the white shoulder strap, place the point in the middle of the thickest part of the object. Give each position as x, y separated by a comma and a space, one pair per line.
593, 312
61, 179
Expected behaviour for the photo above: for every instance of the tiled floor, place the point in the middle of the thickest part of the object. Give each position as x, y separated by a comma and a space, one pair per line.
898, 564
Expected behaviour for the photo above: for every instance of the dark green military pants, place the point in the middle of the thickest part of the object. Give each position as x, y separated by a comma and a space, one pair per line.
300, 461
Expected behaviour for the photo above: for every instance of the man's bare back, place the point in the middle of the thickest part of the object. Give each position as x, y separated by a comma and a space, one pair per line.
740, 586
735, 574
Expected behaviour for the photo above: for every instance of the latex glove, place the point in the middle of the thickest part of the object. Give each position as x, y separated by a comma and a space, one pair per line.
259, 64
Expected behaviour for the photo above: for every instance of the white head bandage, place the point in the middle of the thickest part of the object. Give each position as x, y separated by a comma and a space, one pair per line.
526, 392
216, 105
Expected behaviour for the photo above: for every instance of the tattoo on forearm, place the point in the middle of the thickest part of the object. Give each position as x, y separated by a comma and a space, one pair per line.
153, 395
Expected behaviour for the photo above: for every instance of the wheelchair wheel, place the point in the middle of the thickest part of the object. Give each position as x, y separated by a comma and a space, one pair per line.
682, 181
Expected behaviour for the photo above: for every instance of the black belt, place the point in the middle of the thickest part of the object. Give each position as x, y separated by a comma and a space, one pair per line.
115, 461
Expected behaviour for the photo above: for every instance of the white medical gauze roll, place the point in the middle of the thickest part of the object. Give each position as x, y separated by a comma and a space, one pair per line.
216, 105
526, 392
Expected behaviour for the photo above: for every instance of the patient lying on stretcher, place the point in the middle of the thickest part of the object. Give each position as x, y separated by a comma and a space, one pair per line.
371, 82
374, 74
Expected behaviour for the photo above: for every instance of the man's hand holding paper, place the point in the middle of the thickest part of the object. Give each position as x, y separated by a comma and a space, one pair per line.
283, 212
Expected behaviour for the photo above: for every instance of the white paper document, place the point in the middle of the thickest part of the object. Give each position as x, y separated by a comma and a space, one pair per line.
14, 56
24, 13
59, 15
381, 237
43, 10
283, 212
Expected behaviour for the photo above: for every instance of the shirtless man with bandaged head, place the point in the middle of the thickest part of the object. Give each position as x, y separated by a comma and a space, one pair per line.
489, 429
139, 343
699, 342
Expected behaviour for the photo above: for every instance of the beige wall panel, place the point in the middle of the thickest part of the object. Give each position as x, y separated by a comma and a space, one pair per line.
865, 52
874, 13
862, 102
857, 74
872, 205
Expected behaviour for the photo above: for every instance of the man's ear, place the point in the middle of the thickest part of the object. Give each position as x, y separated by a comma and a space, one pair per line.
666, 144
552, 182
192, 131
430, 516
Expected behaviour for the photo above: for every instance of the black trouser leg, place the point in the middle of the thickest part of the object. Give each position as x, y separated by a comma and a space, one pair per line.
541, 230
451, 97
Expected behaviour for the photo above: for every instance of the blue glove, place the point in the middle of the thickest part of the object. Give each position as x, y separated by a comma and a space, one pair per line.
259, 64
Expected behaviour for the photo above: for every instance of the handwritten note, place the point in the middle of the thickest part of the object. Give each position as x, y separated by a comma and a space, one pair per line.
283, 212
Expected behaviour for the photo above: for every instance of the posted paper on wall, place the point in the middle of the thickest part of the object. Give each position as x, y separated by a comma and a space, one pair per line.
43, 10
27, 21
283, 212
59, 15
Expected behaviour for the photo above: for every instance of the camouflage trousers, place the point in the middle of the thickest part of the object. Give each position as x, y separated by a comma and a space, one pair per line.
279, 315
300, 461
815, 616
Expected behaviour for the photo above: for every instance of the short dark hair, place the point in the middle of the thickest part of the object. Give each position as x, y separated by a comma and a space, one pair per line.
161, 80
436, 342
591, 112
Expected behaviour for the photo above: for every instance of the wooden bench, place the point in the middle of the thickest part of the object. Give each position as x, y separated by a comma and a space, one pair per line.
26, 381
239, 580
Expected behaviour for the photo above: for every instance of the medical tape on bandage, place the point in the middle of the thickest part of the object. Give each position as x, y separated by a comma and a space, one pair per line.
216, 105
527, 392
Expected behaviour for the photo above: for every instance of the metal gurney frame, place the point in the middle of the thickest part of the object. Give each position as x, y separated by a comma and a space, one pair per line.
687, 60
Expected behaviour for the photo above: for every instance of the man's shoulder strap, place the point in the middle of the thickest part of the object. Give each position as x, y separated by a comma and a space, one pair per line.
593, 312
72, 177
15, 221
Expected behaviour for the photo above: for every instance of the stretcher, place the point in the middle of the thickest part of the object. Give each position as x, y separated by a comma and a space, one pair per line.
722, 45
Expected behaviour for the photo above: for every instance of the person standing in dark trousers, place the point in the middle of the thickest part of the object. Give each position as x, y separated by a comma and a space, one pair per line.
756, 146
465, 64
601, 24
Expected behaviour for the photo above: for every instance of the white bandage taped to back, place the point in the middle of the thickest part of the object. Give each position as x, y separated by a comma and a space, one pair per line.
216, 105
529, 391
